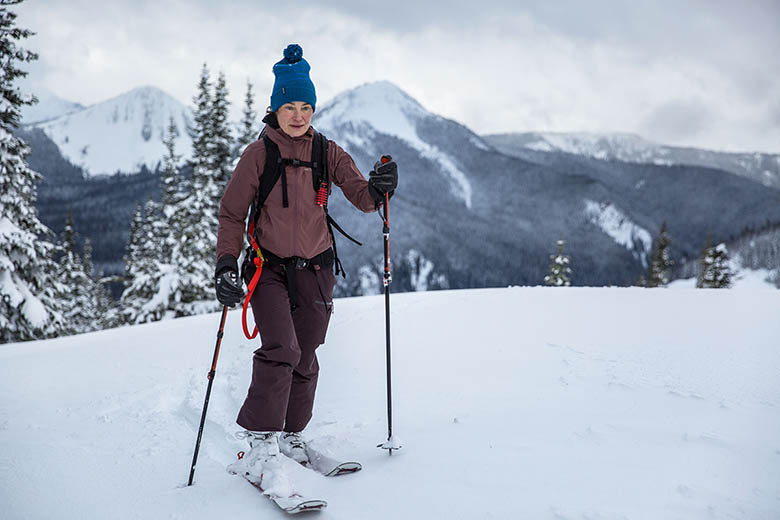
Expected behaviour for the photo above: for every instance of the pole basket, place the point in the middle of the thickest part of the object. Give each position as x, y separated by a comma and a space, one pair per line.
393, 443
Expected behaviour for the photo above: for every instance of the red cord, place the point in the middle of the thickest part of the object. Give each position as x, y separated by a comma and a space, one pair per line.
251, 289
322, 195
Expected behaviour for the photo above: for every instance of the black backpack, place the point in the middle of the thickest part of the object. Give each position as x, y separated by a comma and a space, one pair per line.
276, 168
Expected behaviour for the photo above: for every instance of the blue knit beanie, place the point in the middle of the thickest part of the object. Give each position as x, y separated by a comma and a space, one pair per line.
292, 79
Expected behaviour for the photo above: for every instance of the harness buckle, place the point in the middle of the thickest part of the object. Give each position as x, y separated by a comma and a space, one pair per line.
301, 263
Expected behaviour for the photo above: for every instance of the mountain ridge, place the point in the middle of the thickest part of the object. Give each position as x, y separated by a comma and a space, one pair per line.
120, 134
468, 214
628, 147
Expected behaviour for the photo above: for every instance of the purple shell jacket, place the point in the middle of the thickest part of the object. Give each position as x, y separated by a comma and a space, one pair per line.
299, 229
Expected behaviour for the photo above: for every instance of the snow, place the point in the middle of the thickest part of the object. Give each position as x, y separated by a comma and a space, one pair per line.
597, 145
742, 278
122, 133
383, 105
620, 227
424, 269
33, 308
542, 403
389, 110
49, 106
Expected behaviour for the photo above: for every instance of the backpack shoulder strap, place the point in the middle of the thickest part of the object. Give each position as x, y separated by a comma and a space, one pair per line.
322, 185
319, 161
271, 172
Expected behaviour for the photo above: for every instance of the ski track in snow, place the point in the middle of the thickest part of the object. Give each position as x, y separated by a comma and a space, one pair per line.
575, 402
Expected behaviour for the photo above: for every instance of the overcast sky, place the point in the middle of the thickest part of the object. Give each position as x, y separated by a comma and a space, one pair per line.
687, 72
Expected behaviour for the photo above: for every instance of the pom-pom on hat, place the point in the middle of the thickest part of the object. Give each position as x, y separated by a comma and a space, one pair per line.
292, 79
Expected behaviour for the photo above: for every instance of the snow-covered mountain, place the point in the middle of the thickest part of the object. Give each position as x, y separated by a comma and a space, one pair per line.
760, 167
463, 203
622, 230
356, 117
467, 213
49, 106
122, 133
529, 403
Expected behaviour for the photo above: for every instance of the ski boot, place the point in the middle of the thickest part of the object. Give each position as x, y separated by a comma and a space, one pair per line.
262, 465
292, 445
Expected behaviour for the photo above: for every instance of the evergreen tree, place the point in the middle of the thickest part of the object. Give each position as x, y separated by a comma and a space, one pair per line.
133, 252
199, 216
93, 303
714, 272
128, 303
108, 311
222, 141
661, 264
28, 286
86, 255
141, 300
173, 195
77, 297
560, 272
248, 127
169, 228
201, 132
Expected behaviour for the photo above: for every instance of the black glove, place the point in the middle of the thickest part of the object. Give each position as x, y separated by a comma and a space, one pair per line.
229, 289
383, 179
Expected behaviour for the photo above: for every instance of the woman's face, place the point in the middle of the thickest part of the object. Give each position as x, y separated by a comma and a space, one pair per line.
294, 118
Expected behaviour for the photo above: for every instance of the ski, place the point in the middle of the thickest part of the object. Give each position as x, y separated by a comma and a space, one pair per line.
328, 466
292, 503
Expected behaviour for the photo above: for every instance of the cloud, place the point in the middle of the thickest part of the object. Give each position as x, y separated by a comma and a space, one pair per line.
680, 120
496, 67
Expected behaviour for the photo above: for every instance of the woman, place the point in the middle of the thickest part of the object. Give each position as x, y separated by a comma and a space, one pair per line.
292, 302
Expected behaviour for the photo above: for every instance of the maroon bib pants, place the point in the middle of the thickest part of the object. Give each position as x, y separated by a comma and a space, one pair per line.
285, 367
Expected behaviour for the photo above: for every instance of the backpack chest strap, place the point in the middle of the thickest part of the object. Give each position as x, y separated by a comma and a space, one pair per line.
297, 162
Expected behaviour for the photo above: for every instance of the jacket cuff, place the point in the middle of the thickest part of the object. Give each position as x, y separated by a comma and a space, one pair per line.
226, 262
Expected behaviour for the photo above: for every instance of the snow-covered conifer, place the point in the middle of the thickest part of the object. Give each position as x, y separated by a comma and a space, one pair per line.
222, 140
93, 301
28, 285
169, 226
661, 264
248, 127
77, 298
141, 300
714, 269
199, 217
201, 131
560, 272
108, 311
173, 192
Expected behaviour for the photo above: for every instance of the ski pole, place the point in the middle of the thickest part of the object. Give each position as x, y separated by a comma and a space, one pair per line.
208, 392
391, 443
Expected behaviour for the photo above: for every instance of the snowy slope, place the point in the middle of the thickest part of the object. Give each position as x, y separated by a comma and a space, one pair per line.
49, 106
356, 116
540, 403
621, 229
760, 167
621, 146
122, 133
742, 279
